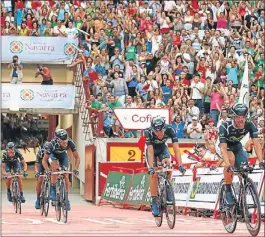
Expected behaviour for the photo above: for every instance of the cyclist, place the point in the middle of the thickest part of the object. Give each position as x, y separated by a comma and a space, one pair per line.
56, 152
39, 169
156, 136
230, 135
11, 162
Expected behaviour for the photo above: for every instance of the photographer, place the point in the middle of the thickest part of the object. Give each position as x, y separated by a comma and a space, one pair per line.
46, 75
16, 70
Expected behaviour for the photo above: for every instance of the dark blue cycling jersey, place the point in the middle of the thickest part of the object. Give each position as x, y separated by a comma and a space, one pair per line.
40, 155
55, 148
17, 157
231, 135
152, 139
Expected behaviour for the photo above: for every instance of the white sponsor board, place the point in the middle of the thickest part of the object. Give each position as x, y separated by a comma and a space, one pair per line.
181, 185
137, 118
58, 50
38, 96
204, 191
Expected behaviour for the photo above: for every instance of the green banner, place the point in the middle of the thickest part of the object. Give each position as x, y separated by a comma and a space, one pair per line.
117, 186
139, 188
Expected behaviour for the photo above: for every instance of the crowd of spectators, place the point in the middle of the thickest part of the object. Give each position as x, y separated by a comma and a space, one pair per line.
26, 131
187, 56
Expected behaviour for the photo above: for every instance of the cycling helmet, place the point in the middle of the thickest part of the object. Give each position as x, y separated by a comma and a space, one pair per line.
10, 145
158, 123
239, 109
61, 134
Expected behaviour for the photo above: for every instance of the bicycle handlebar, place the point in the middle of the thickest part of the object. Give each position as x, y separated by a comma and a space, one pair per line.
164, 170
14, 175
245, 169
61, 172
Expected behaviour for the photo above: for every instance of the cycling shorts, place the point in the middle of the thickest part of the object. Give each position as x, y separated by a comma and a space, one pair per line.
61, 157
13, 166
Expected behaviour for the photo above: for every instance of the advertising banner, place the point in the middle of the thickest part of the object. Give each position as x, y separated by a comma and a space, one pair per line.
139, 188
137, 118
117, 186
59, 50
37, 96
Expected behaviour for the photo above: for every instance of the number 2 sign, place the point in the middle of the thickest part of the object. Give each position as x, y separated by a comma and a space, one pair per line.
123, 152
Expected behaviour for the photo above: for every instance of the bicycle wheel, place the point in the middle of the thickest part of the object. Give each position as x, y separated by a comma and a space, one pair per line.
14, 196
64, 202
42, 199
170, 208
46, 197
58, 202
251, 207
18, 200
159, 218
228, 215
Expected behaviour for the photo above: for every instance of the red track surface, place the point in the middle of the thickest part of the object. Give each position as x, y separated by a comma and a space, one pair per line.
89, 220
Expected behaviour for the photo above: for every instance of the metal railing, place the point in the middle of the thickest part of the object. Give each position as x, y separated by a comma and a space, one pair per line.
91, 119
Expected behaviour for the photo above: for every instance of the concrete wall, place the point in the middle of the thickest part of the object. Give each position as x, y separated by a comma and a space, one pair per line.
79, 138
61, 74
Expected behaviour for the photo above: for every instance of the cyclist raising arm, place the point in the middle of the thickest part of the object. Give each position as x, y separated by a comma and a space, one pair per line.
12, 160
156, 137
230, 135
56, 152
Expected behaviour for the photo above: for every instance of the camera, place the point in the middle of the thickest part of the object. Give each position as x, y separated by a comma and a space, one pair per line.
14, 60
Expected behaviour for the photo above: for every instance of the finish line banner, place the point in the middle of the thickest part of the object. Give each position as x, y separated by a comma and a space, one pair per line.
59, 50
28, 96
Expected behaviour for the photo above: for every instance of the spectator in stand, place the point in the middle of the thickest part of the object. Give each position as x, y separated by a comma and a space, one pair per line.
47, 78
120, 88
194, 129
192, 111
217, 99
179, 125
197, 90
16, 67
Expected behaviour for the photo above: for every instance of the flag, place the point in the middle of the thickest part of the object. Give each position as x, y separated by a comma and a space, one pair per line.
93, 76
244, 97
141, 143
244, 90
146, 87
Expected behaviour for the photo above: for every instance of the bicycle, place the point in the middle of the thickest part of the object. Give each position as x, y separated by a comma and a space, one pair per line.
164, 184
45, 194
61, 195
240, 211
15, 192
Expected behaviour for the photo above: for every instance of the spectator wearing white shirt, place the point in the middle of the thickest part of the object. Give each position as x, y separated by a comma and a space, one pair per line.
169, 6
217, 40
129, 102
194, 129
192, 111
59, 30
70, 31
197, 88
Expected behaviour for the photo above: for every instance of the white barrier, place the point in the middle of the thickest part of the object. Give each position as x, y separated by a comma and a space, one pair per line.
203, 192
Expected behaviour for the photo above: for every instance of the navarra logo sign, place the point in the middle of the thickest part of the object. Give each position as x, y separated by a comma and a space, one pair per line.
16, 47
135, 118
69, 49
27, 94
